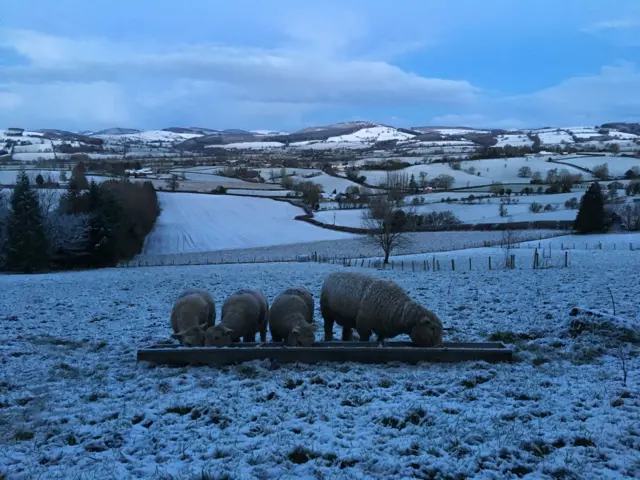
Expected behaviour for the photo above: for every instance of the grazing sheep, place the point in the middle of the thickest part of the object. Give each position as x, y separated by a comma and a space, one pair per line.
339, 301
379, 306
211, 316
306, 297
190, 317
243, 314
290, 319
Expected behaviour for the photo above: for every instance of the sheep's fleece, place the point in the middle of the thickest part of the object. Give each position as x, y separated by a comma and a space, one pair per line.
288, 320
243, 314
189, 319
355, 300
211, 315
306, 296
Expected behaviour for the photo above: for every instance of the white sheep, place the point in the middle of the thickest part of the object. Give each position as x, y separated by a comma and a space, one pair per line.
211, 304
340, 300
243, 315
306, 296
291, 320
190, 317
379, 306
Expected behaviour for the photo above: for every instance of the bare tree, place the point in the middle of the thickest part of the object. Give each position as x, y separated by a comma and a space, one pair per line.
630, 216
508, 242
172, 182
387, 225
48, 198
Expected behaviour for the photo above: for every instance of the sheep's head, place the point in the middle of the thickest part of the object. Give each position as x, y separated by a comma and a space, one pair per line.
191, 337
302, 336
219, 336
427, 327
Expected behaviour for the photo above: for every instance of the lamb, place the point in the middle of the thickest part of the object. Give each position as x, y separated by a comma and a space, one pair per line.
192, 313
358, 301
211, 316
243, 314
306, 296
291, 316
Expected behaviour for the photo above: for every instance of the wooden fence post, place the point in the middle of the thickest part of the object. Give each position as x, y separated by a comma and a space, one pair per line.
453, 265
413, 268
469, 263
566, 259
489, 263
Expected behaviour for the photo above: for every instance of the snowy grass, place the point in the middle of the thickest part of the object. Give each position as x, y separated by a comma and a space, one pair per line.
192, 222
75, 404
617, 165
356, 247
474, 213
506, 170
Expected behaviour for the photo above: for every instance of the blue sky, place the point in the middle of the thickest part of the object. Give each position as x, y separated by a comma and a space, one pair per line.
281, 64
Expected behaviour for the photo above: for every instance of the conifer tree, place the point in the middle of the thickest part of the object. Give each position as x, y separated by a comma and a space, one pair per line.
26, 242
592, 217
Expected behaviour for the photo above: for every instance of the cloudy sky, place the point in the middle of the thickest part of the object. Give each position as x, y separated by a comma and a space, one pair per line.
287, 64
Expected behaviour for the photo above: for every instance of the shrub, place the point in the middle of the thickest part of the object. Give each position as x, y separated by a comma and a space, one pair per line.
571, 204
535, 207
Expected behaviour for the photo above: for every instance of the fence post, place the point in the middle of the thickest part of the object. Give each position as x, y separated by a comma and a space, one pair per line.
369, 262
425, 265
566, 259
453, 265
469, 263
413, 268
489, 263
513, 261
438, 262
402, 264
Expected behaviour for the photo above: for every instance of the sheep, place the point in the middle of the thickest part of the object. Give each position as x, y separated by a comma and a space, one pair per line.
306, 296
379, 306
243, 314
211, 316
290, 318
190, 317
339, 300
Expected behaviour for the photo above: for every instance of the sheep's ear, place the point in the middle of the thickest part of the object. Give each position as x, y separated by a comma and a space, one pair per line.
190, 331
295, 329
226, 330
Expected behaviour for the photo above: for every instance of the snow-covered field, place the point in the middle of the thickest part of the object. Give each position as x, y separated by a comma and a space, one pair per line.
8, 177
514, 139
474, 213
617, 165
505, 170
461, 178
149, 136
75, 404
192, 222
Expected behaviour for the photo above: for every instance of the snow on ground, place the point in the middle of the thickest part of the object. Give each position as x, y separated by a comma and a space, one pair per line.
371, 135
192, 222
609, 241
515, 140
75, 403
355, 247
457, 131
261, 193
150, 136
461, 178
329, 182
380, 159
556, 137
8, 177
248, 145
505, 170
474, 213
617, 165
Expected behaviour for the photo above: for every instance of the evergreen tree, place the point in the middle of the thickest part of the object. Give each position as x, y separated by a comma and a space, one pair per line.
26, 242
592, 217
104, 226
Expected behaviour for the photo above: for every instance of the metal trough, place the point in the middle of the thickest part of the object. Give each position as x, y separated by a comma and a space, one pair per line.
361, 352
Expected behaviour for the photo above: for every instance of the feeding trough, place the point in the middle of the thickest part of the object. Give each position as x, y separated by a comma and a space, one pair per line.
361, 352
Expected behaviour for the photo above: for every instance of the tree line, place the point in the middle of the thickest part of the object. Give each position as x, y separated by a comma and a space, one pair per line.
90, 225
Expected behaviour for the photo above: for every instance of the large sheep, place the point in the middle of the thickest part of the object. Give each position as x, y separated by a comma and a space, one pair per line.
243, 315
211, 315
379, 306
290, 318
190, 317
339, 301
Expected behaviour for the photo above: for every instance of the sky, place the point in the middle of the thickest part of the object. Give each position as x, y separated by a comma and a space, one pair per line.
289, 64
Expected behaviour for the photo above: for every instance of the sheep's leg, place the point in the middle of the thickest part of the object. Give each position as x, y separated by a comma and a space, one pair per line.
365, 335
328, 329
347, 334
263, 333
249, 338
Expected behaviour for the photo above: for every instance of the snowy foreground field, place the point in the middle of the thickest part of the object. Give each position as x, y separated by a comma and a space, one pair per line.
75, 404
